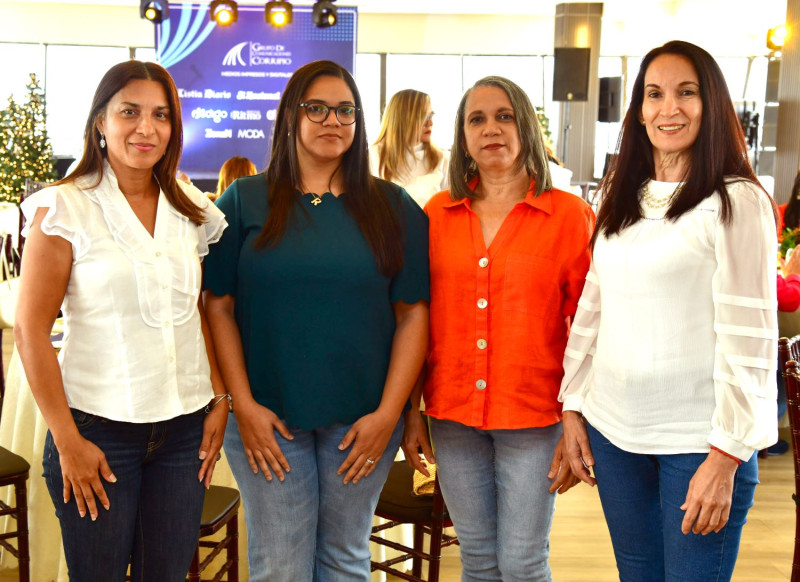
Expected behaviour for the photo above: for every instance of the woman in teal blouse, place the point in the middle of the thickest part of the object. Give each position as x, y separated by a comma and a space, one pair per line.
317, 298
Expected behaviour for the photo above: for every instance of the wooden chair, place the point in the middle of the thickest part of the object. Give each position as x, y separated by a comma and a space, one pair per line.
14, 471
427, 513
220, 508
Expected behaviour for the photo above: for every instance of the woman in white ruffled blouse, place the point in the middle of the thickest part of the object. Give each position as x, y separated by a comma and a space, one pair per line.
403, 152
669, 373
135, 405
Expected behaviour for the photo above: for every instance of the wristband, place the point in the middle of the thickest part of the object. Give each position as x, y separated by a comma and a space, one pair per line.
720, 451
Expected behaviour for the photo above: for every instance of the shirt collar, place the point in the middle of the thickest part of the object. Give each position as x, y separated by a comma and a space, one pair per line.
543, 202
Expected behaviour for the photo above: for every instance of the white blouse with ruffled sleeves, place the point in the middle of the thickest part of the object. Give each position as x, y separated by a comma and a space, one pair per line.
673, 347
133, 348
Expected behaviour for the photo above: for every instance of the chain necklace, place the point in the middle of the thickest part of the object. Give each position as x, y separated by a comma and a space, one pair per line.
653, 202
316, 199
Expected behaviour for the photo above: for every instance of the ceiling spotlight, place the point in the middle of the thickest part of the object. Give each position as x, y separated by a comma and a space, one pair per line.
278, 13
776, 37
324, 14
223, 12
154, 10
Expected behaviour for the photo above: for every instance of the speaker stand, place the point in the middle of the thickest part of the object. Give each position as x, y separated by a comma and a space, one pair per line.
564, 132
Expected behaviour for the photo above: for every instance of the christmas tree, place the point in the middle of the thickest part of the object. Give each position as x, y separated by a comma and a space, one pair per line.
25, 151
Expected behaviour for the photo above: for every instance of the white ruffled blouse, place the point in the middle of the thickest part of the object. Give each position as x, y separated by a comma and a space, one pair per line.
133, 348
673, 347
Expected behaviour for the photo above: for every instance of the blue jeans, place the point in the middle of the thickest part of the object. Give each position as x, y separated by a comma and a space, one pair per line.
156, 503
495, 486
641, 497
311, 526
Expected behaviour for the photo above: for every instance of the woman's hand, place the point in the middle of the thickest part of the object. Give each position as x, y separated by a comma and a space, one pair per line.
369, 436
578, 450
416, 437
82, 464
257, 425
708, 501
561, 472
213, 433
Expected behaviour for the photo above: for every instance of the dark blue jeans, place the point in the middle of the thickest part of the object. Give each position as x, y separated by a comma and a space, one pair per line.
156, 503
641, 497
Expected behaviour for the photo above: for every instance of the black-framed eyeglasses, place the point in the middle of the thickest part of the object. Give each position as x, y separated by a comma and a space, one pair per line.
318, 112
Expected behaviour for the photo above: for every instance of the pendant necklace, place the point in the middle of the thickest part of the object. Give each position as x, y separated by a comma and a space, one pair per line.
316, 199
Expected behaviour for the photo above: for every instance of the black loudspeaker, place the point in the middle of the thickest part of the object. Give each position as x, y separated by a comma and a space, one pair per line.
609, 105
571, 74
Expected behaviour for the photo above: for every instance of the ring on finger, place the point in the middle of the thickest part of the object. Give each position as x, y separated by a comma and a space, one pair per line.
370, 461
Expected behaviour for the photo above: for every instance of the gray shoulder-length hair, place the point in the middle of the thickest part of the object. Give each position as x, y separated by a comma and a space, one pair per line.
532, 155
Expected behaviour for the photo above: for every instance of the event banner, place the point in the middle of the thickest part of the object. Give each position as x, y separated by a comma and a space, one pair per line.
231, 78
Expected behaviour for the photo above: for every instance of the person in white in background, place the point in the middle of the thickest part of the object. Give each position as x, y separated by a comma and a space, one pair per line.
403, 152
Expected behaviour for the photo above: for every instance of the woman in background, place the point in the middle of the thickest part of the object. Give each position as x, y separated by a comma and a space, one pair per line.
669, 384
403, 152
135, 426
233, 168
318, 297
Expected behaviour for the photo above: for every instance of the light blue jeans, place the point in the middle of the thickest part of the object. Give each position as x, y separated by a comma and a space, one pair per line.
495, 486
311, 526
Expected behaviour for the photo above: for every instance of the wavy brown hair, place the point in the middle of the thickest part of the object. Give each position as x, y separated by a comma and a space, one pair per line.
364, 198
166, 168
719, 152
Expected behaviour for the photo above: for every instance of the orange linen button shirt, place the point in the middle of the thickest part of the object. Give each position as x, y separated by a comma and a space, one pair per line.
499, 316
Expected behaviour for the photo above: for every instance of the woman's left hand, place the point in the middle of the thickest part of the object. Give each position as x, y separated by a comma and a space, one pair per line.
560, 470
369, 436
708, 501
213, 432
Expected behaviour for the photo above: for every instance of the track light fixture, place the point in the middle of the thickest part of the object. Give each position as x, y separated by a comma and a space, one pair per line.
325, 14
223, 12
154, 10
278, 13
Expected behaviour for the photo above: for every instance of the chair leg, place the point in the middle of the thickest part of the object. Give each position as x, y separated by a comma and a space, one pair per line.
232, 529
419, 540
21, 492
194, 569
435, 551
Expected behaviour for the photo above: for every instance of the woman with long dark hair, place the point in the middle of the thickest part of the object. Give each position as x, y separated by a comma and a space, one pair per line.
669, 385
318, 297
135, 426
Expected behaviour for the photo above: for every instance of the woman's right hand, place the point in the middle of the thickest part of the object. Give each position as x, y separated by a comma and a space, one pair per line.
416, 437
579, 452
82, 464
257, 426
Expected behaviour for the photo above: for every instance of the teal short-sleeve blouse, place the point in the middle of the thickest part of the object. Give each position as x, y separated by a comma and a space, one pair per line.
314, 312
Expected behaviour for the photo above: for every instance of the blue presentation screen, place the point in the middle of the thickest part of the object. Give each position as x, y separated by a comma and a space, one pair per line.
230, 79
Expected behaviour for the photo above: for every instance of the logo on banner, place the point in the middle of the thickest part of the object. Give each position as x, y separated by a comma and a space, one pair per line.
258, 55
234, 56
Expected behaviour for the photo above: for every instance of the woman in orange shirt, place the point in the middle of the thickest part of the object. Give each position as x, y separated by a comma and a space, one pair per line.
509, 255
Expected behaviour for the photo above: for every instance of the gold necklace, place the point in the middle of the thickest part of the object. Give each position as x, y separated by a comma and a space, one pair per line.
653, 201
316, 199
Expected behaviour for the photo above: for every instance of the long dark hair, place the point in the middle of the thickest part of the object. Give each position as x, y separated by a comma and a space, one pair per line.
532, 153
791, 219
365, 200
166, 168
719, 151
